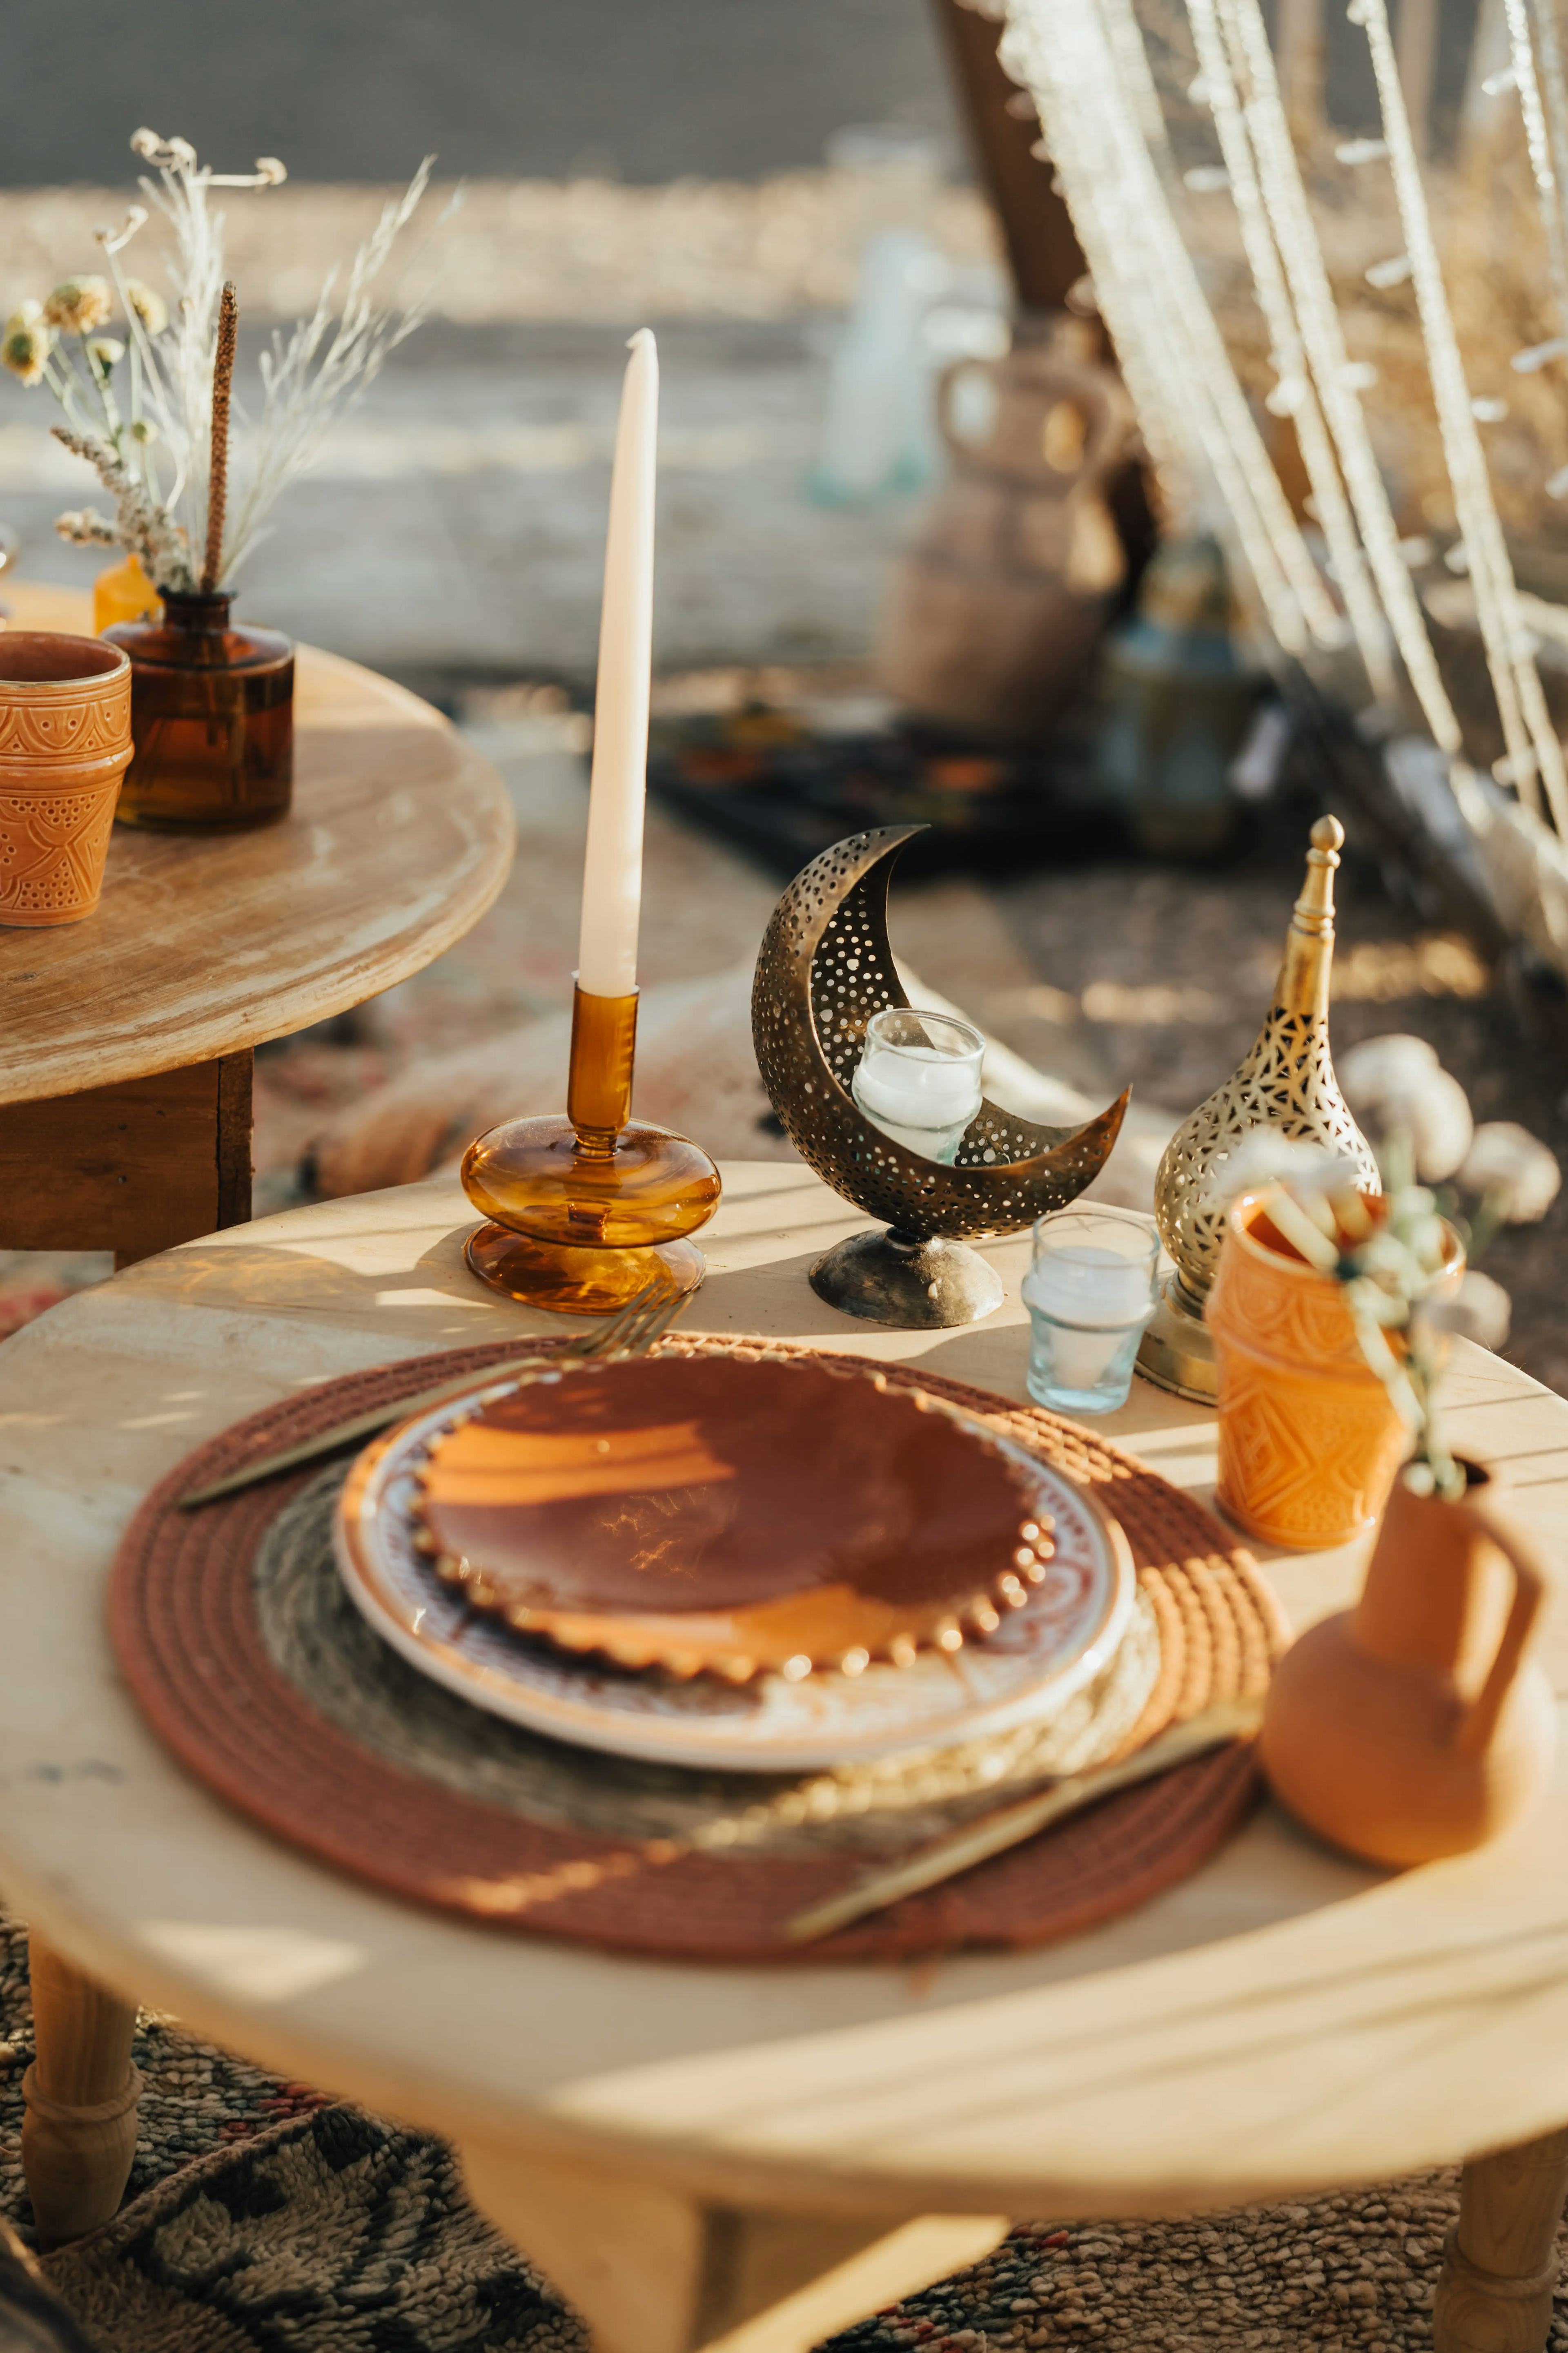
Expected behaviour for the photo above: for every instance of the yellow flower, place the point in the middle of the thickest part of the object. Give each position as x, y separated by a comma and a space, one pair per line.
79, 304
24, 344
148, 304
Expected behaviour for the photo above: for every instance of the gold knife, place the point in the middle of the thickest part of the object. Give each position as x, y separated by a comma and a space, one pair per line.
944, 1858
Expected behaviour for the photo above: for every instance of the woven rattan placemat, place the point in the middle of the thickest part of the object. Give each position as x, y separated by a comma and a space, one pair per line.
196, 1624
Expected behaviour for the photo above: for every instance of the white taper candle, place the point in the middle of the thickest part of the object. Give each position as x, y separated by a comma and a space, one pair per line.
612, 871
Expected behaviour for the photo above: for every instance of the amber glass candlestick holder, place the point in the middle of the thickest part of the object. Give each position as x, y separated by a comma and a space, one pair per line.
584, 1211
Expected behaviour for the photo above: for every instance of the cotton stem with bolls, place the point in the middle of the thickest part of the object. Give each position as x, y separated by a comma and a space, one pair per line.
217, 472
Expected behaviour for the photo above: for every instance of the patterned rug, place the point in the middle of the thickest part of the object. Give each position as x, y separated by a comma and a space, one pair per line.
261, 2218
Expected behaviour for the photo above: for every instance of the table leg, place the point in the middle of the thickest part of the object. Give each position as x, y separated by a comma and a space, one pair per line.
652, 2270
132, 1168
1498, 2271
79, 2132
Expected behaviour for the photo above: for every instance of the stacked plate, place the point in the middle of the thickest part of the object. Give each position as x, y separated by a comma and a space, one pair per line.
717, 1559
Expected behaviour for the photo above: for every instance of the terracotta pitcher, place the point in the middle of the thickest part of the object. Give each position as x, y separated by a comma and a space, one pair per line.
996, 608
1309, 1438
1409, 1727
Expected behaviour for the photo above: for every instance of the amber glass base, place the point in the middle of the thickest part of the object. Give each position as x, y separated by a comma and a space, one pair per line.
538, 1177
578, 1281
582, 1220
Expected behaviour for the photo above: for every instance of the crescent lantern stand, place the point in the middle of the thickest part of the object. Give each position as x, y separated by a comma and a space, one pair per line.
825, 968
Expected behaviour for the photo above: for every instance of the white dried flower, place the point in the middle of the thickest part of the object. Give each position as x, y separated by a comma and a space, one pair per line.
1407, 1248
1267, 1155
1400, 1080
269, 172
1478, 1309
1513, 1169
176, 153
1435, 1115
104, 352
84, 527
114, 240
77, 305
24, 344
148, 304
1381, 1067
142, 428
140, 522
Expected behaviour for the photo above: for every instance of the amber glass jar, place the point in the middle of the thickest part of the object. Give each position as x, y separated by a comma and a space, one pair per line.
212, 711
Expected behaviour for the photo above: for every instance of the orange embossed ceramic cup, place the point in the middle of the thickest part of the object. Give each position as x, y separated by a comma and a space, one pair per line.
65, 745
1309, 1436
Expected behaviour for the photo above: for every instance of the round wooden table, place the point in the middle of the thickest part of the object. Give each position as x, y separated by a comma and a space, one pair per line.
751, 2157
126, 1040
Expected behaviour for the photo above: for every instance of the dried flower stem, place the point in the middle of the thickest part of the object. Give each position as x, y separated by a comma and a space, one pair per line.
217, 481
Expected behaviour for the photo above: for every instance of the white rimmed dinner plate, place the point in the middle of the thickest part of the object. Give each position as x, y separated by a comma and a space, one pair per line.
1039, 1656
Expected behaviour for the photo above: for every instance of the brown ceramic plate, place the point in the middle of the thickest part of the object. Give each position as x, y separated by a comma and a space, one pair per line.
733, 1517
1040, 1653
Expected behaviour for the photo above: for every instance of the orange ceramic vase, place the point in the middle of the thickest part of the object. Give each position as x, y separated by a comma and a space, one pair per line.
65, 745
1408, 1727
1309, 1440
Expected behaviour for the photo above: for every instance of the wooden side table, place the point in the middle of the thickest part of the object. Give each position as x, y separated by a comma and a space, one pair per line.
747, 2158
126, 1040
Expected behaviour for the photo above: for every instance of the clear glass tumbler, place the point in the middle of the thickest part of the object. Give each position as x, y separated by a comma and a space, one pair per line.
918, 1079
1090, 1291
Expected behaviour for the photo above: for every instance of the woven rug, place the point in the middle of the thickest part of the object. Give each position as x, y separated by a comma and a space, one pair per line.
262, 2218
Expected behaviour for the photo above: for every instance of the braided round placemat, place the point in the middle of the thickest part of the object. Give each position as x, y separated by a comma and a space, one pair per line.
229, 1630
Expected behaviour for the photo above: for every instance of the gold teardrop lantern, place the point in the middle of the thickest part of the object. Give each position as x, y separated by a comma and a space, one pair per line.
1287, 1082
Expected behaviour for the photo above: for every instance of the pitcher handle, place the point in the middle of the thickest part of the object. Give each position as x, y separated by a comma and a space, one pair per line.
1531, 1582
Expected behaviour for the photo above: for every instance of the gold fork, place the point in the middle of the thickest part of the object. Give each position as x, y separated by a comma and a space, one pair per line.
630, 1332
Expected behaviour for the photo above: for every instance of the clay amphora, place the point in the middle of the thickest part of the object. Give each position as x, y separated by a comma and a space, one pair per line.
1408, 1727
996, 608
1309, 1437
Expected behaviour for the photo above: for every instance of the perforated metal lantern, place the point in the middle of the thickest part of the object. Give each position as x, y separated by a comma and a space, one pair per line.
824, 968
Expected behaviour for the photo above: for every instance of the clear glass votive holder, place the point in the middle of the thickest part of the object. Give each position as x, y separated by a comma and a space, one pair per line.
1090, 1291
918, 1079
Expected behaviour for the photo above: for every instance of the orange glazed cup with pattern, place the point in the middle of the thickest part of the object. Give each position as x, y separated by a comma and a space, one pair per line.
1309, 1437
65, 745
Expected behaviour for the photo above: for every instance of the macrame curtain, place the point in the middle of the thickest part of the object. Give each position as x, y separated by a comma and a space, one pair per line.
1345, 588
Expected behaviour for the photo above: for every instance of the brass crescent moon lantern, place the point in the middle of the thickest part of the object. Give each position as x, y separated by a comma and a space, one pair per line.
825, 968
